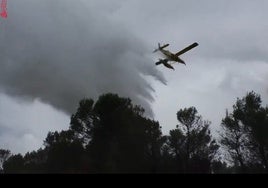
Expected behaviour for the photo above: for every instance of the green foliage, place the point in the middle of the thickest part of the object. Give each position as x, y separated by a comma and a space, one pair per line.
109, 136
83, 120
245, 133
112, 135
15, 164
191, 143
123, 140
4, 155
64, 153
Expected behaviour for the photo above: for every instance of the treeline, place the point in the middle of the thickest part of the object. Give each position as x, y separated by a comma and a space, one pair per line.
112, 135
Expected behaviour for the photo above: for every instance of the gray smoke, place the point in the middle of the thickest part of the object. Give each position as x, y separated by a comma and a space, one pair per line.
62, 51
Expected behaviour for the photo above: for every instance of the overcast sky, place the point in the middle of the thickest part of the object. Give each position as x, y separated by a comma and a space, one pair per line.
54, 53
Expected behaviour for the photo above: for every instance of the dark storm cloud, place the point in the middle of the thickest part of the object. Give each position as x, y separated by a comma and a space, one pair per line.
63, 51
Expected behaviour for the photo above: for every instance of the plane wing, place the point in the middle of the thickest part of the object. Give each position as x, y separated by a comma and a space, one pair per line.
186, 49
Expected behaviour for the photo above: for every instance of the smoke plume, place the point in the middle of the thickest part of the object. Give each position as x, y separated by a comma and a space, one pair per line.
62, 51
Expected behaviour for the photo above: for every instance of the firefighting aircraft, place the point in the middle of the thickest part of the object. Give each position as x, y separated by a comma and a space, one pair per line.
171, 56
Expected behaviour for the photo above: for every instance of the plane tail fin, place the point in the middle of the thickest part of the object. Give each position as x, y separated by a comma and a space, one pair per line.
159, 47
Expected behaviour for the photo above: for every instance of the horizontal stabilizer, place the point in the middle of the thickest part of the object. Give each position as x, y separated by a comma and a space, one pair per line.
161, 47
164, 46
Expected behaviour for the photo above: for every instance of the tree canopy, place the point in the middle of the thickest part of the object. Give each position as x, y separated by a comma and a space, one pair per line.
112, 135
245, 134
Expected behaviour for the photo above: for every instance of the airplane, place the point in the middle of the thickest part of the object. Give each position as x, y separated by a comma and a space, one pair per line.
171, 56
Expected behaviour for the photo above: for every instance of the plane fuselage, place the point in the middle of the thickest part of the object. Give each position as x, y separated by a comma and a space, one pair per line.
172, 57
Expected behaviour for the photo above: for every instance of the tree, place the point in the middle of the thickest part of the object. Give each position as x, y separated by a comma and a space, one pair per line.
4, 155
64, 153
109, 136
123, 140
191, 142
234, 140
245, 133
83, 121
15, 164
35, 161
116, 135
